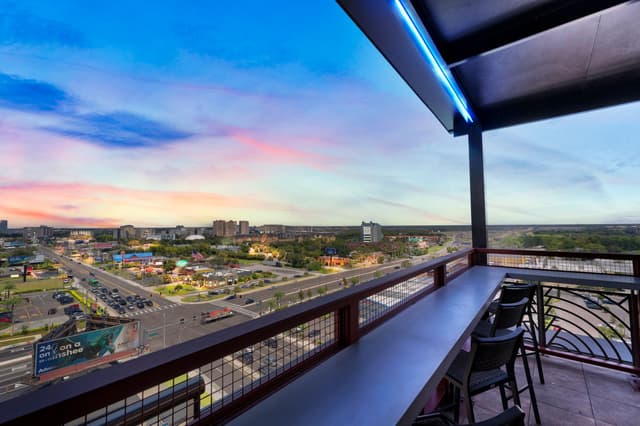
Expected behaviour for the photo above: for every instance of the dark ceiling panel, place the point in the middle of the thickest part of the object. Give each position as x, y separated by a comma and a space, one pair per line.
558, 58
470, 28
545, 62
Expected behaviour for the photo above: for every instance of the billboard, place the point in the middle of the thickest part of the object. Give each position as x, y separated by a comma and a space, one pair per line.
59, 357
133, 257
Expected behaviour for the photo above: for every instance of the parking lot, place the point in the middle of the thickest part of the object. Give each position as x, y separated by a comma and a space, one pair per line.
36, 306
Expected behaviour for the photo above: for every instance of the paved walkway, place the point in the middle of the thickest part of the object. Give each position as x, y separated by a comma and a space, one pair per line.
574, 394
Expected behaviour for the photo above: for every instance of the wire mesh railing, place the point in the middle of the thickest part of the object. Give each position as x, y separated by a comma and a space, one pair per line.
214, 377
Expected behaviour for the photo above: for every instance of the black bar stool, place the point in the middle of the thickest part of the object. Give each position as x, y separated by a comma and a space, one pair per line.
512, 293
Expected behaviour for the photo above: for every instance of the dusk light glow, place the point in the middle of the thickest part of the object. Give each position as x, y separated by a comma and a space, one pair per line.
181, 113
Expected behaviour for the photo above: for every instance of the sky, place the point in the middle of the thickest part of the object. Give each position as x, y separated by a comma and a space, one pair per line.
117, 112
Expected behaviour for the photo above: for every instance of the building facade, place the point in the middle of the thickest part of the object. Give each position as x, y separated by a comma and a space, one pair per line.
244, 227
371, 232
4, 227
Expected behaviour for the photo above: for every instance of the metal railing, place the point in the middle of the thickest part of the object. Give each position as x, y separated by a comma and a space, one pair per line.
237, 366
587, 323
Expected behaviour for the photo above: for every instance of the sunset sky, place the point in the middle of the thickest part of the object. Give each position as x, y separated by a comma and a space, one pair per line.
174, 112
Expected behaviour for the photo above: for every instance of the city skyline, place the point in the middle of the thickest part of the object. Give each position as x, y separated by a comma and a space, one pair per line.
181, 114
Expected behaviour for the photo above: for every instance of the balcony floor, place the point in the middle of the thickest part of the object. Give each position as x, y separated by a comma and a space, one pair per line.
574, 394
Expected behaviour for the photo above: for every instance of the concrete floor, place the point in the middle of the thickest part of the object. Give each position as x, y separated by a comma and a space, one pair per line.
573, 394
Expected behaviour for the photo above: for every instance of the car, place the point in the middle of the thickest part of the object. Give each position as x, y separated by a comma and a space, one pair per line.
271, 342
104, 290
148, 302
249, 301
122, 302
78, 316
140, 304
230, 297
591, 304
313, 333
131, 307
121, 310
129, 299
137, 297
52, 311
115, 290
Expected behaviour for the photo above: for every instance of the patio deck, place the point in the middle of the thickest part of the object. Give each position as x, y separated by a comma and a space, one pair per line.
574, 394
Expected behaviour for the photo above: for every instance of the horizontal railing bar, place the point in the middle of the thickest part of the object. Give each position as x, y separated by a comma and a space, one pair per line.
106, 386
577, 255
613, 365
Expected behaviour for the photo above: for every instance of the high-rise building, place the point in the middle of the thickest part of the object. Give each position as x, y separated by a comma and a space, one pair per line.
244, 227
4, 227
230, 228
371, 232
218, 228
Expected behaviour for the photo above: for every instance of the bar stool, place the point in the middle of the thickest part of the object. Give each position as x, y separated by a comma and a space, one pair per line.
490, 363
508, 315
513, 293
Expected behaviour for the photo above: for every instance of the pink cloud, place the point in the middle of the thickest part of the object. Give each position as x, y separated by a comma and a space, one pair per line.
107, 205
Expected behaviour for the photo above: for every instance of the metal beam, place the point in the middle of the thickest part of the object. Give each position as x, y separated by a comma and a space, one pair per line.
511, 29
476, 190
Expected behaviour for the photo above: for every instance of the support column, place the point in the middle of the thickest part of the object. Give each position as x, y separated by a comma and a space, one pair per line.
476, 190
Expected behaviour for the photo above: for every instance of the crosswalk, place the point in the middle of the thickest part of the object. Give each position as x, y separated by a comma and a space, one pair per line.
150, 310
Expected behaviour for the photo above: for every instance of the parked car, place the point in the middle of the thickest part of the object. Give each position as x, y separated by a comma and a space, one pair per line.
140, 304
249, 301
148, 302
271, 342
52, 311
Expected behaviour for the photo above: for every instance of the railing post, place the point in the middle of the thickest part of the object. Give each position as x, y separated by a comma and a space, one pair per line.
348, 323
542, 330
634, 310
440, 275
471, 259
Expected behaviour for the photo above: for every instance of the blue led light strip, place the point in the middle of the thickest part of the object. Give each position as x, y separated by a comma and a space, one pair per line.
437, 63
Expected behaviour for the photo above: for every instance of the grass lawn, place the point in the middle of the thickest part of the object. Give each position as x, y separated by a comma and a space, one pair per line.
181, 378
170, 290
32, 284
248, 261
203, 297
16, 341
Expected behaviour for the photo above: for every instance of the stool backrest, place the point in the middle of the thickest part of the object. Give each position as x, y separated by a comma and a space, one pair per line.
514, 292
489, 353
508, 315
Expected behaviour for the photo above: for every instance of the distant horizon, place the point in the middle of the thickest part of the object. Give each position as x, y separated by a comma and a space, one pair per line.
124, 113
339, 226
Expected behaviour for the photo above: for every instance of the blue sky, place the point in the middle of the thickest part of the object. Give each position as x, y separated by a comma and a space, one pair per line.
274, 112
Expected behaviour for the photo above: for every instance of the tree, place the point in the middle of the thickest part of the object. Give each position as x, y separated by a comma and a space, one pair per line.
309, 294
380, 260
169, 265
405, 264
321, 290
377, 274
354, 281
278, 295
271, 305
7, 289
301, 294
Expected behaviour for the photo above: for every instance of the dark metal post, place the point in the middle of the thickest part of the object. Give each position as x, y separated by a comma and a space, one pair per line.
540, 306
634, 317
440, 275
476, 190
